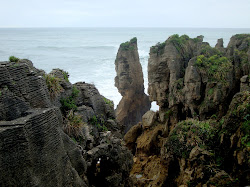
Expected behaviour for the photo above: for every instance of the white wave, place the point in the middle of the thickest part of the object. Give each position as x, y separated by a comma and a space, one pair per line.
154, 106
142, 53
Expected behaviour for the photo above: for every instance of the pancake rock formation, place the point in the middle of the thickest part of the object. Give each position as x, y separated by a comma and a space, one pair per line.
53, 133
130, 84
200, 135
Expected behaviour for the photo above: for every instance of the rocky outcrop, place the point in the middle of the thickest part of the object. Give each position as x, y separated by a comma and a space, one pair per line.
33, 152
53, 133
245, 83
22, 89
220, 45
193, 79
130, 84
195, 153
199, 137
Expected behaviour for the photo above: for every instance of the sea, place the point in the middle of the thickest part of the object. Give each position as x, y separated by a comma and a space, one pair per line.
88, 54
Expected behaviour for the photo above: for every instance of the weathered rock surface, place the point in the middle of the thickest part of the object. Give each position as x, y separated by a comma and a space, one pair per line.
200, 135
183, 79
245, 83
21, 89
130, 84
32, 152
53, 133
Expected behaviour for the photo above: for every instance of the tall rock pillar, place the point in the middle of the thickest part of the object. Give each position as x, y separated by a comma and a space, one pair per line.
130, 84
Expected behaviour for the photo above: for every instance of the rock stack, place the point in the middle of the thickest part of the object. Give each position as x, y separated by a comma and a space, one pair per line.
200, 135
130, 84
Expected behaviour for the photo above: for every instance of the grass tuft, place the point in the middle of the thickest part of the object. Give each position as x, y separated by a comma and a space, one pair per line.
13, 59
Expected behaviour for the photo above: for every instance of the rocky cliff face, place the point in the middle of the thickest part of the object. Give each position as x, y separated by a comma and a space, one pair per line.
130, 84
200, 135
53, 133
188, 75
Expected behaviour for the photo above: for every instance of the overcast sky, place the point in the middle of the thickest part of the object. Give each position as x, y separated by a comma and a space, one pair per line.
125, 13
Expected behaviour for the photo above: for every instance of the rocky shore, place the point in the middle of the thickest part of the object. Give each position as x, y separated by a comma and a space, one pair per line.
200, 135
54, 133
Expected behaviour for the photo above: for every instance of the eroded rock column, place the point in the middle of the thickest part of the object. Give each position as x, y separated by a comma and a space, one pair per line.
130, 84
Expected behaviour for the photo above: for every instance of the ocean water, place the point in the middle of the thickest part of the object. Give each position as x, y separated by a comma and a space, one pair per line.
88, 54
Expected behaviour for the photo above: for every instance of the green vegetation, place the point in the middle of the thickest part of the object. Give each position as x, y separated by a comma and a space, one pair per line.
65, 75
53, 85
245, 140
98, 123
196, 40
73, 125
176, 39
127, 45
168, 114
214, 116
13, 59
159, 48
210, 91
243, 111
242, 55
74, 140
75, 92
216, 67
242, 36
68, 103
219, 142
208, 51
240, 117
179, 41
0, 93
133, 40
109, 102
190, 133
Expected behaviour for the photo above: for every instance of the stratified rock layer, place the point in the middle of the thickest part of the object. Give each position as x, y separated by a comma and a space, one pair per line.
130, 84
53, 133
193, 79
200, 135
33, 153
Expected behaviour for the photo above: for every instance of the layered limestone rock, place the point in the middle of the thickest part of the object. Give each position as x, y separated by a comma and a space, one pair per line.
33, 152
53, 133
192, 79
194, 153
200, 135
238, 51
22, 88
130, 84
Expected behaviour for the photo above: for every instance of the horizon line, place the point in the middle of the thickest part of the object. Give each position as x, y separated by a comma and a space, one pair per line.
110, 27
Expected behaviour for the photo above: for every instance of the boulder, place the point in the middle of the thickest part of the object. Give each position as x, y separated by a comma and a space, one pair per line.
148, 119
